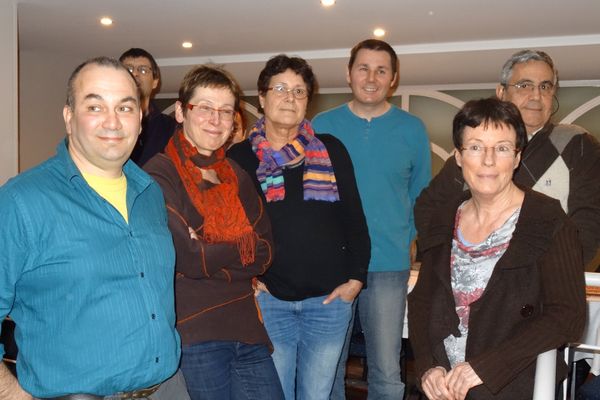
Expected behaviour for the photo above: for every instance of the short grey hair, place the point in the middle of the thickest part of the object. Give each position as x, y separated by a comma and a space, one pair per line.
525, 56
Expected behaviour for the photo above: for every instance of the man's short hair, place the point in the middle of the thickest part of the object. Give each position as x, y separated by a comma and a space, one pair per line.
377, 45
524, 56
136, 52
101, 61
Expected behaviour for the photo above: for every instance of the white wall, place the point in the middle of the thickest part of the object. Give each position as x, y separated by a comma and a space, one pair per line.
9, 90
43, 80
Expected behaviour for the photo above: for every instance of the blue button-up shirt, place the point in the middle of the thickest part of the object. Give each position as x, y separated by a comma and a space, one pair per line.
91, 295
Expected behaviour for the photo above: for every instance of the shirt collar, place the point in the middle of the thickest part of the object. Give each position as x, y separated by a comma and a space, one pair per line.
531, 135
381, 117
136, 177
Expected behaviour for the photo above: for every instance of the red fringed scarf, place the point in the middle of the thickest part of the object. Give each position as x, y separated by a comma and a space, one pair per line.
224, 216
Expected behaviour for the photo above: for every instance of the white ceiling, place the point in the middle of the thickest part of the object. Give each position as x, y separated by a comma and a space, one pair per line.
439, 42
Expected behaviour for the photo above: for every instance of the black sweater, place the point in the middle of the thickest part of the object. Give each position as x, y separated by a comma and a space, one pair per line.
318, 244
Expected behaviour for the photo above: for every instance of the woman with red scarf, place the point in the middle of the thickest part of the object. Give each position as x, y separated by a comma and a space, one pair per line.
222, 238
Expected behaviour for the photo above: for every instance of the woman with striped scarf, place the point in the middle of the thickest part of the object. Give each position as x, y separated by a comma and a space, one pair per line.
322, 245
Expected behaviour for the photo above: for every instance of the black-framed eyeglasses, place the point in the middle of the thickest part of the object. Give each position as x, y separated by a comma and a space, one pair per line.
282, 90
546, 88
206, 111
141, 69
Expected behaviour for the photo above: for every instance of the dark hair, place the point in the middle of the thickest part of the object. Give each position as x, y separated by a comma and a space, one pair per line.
377, 45
136, 52
102, 62
281, 63
524, 56
208, 76
485, 112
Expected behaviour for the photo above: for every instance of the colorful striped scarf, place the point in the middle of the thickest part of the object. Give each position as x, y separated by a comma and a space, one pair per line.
318, 180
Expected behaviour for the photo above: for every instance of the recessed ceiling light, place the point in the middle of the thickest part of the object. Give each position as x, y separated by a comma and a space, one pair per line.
379, 32
327, 3
187, 45
106, 21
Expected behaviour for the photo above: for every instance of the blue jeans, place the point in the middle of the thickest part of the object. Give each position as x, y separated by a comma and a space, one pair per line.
338, 392
381, 308
229, 370
308, 338
590, 390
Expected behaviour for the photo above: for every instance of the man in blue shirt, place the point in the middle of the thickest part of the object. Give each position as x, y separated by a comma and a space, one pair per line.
87, 260
392, 160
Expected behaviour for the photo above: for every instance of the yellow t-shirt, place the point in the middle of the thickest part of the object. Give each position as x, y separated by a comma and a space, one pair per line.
113, 190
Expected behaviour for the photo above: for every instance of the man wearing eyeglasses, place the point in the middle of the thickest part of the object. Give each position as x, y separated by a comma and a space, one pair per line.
157, 128
561, 161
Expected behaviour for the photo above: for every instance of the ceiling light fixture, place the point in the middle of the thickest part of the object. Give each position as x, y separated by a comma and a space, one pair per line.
106, 21
327, 3
379, 32
187, 45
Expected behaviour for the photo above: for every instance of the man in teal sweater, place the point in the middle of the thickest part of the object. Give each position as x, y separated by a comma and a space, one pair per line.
391, 155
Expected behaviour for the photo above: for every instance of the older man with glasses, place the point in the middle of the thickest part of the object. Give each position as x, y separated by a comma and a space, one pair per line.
561, 161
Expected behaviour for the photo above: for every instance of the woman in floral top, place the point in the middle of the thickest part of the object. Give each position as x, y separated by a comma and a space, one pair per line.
502, 274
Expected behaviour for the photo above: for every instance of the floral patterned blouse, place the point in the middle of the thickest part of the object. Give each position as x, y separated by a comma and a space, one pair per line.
471, 267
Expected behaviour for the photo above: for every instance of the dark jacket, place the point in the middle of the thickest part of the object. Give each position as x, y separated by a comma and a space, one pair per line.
157, 129
213, 289
534, 300
574, 155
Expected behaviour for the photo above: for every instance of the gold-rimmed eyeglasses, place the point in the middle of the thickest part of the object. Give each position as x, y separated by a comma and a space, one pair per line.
282, 90
500, 150
546, 88
205, 111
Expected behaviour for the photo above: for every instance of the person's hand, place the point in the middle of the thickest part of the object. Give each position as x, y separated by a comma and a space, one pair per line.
433, 383
412, 252
17, 393
460, 379
23, 395
346, 291
258, 287
10, 389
